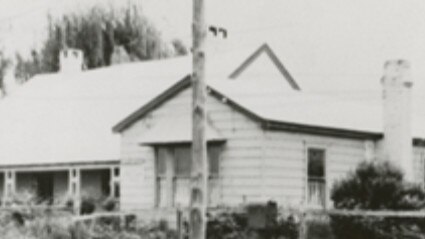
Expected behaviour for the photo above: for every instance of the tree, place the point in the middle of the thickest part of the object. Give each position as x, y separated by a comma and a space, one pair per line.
179, 47
26, 68
98, 32
377, 186
4, 64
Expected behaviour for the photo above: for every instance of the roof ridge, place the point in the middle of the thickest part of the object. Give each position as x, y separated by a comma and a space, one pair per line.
265, 48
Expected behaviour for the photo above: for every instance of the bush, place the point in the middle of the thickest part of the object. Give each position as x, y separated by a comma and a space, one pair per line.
238, 224
319, 228
88, 205
35, 224
153, 230
377, 186
110, 204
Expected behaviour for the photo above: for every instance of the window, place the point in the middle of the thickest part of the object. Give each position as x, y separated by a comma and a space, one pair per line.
116, 172
160, 162
161, 159
173, 169
182, 163
213, 159
316, 163
316, 177
182, 157
117, 189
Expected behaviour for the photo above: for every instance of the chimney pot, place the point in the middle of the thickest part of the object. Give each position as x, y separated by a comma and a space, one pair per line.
71, 60
397, 71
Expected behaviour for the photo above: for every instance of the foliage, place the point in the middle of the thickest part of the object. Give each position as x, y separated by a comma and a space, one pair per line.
98, 32
88, 205
226, 225
179, 47
235, 225
377, 186
109, 228
110, 204
318, 227
35, 224
30, 223
4, 64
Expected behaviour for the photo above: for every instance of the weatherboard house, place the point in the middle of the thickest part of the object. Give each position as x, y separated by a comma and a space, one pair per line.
125, 131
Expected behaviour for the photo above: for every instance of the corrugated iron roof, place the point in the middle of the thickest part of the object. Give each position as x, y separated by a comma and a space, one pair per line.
58, 118
68, 118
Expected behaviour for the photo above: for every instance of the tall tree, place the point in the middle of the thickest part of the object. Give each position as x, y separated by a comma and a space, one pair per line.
4, 64
97, 32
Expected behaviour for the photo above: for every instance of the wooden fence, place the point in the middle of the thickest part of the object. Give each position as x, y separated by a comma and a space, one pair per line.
136, 219
90, 220
354, 213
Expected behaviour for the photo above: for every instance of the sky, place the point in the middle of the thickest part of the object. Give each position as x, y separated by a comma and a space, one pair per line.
338, 44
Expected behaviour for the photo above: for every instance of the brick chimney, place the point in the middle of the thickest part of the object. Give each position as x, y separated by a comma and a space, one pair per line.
397, 143
71, 60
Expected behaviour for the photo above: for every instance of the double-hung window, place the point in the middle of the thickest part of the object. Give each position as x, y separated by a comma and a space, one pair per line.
173, 171
316, 177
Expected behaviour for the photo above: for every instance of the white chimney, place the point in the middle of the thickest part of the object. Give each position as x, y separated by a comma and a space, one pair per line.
71, 60
397, 143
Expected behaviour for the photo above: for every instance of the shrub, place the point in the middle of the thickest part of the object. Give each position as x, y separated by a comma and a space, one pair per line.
233, 224
226, 225
153, 230
376, 186
110, 204
88, 205
319, 228
35, 224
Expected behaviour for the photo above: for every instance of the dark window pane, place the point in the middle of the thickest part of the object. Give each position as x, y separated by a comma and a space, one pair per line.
316, 163
214, 158
161, 161
105, 180
117, 190
161, 192
182, 155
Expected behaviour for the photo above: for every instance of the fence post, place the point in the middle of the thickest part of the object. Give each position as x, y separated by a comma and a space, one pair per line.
303, 224
179, 223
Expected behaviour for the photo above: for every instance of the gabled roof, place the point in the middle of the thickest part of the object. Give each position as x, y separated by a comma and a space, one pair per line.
301, 112
265, 49
254, 114
67, 118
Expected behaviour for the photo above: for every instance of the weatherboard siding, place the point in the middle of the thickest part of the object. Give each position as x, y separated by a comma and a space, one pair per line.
137, 172
285, 163
419, 163
255, 164
241, 158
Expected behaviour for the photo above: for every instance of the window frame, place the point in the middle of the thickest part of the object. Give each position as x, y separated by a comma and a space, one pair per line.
176, 161
323, 151
171, 177
322, 180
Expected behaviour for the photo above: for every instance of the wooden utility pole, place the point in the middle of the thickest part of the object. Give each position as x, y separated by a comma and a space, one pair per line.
199, 172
